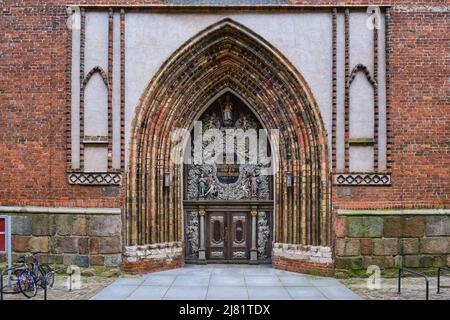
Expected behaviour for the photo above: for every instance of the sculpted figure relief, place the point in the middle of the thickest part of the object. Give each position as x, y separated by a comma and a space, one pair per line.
228, 111
202, 185
212, 190
254, 185
233, 181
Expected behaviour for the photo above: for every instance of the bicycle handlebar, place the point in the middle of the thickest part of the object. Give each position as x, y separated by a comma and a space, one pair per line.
28, 255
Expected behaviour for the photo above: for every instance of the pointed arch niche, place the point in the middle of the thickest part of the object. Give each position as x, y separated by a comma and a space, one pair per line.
227, 56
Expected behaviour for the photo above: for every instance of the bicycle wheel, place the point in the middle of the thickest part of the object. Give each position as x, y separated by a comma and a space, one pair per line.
27, 284
45, 269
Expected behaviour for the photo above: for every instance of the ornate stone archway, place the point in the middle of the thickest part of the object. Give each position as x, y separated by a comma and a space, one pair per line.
229, 56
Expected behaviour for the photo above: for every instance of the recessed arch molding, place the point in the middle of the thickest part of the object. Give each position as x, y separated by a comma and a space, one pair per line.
228, 56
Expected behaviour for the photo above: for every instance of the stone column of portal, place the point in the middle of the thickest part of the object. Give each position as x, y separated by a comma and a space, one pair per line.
253, 250
201, 250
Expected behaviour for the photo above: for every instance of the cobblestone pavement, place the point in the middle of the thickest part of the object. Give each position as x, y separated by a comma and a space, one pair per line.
413, 288
90, 286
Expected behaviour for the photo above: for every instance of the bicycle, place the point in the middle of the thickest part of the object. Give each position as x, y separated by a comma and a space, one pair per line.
33, 275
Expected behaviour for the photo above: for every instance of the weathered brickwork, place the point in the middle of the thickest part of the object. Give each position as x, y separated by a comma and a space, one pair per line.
418, 120
153, 257
34, 95
305, 259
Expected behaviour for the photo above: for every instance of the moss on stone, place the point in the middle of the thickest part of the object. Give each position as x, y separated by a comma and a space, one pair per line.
314, 271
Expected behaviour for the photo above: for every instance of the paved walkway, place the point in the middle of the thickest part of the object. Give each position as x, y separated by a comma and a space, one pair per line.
219, 282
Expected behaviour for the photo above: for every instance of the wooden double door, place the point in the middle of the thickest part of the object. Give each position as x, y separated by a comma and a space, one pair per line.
228, 236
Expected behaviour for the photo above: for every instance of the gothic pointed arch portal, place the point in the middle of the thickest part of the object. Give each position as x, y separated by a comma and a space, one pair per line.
228, 56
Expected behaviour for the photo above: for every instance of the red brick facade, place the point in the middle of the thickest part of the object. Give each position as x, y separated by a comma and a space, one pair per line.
34, 94
35, 106
324, 269
152, 265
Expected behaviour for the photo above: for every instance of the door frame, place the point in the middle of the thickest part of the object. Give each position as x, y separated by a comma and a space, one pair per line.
230, 206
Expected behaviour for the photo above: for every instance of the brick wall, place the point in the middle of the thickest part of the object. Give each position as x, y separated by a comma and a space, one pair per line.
153, 257
34, 93
418, 117
34, 106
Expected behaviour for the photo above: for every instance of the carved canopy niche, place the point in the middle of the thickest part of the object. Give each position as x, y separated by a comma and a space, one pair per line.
243, 156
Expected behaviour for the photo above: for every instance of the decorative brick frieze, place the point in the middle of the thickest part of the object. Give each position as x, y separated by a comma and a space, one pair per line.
122, 89
362, 179
375, 99
69, 98
347, 89
82, 80
334, 88
86, 178
110, 85
388, 51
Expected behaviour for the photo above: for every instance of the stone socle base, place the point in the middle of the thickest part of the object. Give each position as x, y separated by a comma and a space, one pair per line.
79, 236
153, 257
303, 259
420, 237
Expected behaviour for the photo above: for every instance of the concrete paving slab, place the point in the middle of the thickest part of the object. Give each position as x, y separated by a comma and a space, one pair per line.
227, 293
268, 293
305, 293
268, 280
116, 292
186, 293
148, 293
226, 282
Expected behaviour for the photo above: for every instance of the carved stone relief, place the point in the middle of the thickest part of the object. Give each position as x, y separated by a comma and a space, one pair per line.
228, 181
263, 235
192, 232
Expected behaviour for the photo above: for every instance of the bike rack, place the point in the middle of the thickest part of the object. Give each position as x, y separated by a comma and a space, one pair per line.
439, 277
2, 274
46, 280
403, 270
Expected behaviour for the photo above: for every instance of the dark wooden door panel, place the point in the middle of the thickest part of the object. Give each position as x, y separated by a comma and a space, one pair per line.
238, 236
227, 235
216, 236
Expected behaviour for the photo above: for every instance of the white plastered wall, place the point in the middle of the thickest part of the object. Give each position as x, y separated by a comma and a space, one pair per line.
304, 38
